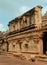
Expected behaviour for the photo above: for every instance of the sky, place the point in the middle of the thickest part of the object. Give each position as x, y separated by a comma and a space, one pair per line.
10, 9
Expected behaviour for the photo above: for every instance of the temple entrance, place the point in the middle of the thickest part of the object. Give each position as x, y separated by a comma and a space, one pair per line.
45, 43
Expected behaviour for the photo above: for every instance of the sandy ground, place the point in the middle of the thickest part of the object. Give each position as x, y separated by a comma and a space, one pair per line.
10, 60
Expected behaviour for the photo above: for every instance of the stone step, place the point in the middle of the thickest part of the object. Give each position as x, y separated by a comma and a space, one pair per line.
42, 58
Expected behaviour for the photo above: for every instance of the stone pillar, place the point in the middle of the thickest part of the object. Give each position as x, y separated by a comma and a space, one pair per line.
40, 46
10, 46
28, 20
18, 46
16, 26
19, 25
13, 46
32, 21
40, 43
38, 20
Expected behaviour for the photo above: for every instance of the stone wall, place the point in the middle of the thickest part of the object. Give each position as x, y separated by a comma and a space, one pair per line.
27, 42
29, 18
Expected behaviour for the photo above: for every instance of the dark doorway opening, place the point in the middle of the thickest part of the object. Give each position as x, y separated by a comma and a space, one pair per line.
45, 42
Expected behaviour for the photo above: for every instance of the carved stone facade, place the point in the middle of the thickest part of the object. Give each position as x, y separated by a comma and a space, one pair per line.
26, 33
25, 36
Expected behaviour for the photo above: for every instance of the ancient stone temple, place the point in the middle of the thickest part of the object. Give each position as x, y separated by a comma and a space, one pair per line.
25, 34
28, 33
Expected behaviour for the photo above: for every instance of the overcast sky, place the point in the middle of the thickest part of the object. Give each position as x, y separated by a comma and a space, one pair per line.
9, 9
